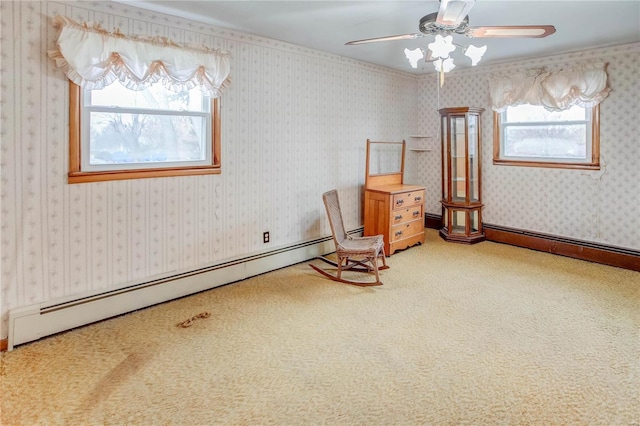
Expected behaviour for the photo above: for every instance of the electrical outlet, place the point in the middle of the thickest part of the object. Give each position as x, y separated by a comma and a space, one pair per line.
265, 237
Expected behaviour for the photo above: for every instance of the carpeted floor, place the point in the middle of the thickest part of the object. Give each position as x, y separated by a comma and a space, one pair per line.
483, 334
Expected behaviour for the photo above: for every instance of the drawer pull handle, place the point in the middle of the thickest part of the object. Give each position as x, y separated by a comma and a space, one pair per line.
399, 217
399, 234
416, 213
417, 199
399, 202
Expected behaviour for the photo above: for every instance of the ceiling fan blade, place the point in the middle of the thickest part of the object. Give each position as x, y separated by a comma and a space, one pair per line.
388, 38
521, 31
452, 12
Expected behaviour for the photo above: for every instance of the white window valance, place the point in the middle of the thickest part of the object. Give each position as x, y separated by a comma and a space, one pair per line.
94, 58
585, 86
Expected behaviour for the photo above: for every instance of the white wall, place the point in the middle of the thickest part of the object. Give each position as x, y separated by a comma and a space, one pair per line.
598, 206
294, 124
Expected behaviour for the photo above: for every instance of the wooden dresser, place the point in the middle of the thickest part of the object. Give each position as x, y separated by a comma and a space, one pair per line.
391, 208
397, 212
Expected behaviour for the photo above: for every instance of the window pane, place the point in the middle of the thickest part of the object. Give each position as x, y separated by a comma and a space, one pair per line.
153, 97
530, 113
531, 136
145, 138
561, 141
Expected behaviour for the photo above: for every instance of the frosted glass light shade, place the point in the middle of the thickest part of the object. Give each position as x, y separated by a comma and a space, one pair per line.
442, 46
413, 56
444, 65
474, 53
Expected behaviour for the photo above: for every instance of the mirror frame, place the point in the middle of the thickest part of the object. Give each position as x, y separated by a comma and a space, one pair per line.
395, 178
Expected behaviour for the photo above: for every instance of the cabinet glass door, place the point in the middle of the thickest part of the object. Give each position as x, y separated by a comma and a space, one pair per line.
458, 168
446, 158
474, 172
474, 221
458, 221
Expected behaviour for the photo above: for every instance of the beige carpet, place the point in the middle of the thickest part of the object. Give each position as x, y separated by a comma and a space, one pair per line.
483, 334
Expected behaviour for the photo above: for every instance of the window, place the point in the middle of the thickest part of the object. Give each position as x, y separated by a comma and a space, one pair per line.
118, 133
530, 135
139, 129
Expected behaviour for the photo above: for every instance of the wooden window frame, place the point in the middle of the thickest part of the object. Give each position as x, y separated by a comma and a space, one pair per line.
77, 175
593, 164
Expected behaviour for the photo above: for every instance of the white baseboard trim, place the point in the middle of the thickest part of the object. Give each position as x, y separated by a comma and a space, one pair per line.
33, 322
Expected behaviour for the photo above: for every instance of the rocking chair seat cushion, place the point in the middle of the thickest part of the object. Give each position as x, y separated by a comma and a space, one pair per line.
364, 246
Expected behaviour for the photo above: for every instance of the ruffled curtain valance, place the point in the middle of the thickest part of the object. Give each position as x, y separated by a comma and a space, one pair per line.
94, 58
585, 86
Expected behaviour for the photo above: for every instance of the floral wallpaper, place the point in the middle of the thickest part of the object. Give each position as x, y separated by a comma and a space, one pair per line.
294, 124
601, 206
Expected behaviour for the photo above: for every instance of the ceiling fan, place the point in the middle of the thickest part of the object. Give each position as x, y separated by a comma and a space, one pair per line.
452, 18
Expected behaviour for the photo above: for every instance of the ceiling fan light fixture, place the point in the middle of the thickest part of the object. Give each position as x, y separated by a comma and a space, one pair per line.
474, 53
428, 56
442, 47
444, 65
452, 19
413, 56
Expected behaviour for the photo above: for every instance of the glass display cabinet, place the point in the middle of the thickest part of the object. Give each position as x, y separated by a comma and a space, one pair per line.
461, 175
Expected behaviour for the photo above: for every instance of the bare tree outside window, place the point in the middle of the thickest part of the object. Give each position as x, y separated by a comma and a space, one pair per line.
152, 129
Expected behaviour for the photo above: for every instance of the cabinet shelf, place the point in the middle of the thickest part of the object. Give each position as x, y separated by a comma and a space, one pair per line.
420, 149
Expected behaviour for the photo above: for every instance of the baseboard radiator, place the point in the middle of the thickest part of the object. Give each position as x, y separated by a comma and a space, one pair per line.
578, 249
33, 322
584, 250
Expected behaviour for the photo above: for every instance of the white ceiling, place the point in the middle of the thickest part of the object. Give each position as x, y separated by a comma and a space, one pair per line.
327, 25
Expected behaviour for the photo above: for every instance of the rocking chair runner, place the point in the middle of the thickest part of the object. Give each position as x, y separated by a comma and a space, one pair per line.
354, 253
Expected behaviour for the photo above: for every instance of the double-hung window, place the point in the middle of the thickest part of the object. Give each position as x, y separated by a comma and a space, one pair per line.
139, 106
118, 133
531, 135
549, 119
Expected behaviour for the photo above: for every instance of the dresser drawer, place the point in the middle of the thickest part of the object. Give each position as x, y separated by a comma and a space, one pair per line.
408, 199
406, 230
405, 215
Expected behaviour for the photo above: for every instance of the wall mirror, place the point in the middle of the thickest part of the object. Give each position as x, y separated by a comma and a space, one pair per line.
385, 162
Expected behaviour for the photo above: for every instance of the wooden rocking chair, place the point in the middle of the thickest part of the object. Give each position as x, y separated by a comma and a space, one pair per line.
354, 253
